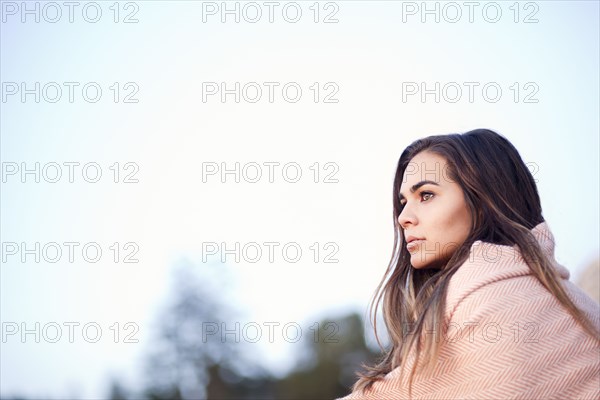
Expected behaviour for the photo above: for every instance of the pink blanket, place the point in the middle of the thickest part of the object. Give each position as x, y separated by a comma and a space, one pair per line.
508, 338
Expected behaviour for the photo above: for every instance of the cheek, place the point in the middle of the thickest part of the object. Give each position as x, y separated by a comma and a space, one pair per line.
460, 225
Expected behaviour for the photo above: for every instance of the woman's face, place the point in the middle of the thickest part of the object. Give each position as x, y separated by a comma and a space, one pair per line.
435, 211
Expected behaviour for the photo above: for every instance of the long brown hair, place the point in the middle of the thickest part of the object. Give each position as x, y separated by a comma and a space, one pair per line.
504, 203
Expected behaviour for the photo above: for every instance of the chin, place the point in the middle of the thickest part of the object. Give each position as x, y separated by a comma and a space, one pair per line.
433, 264
419, 265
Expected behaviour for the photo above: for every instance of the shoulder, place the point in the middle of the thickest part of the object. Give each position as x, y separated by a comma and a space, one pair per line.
495, 289
513, 339
490, 266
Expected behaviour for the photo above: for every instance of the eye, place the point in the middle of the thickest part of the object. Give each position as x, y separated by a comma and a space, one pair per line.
426, 194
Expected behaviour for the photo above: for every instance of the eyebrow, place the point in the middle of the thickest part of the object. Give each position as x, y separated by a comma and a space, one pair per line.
418, 185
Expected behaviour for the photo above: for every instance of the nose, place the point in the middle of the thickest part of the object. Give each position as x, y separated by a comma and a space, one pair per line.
407, 217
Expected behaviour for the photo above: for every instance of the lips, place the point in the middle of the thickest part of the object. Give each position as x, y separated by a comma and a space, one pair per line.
411, 238
412, 242
412, 245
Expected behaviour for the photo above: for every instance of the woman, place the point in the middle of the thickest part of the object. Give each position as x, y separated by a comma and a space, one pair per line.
474, 302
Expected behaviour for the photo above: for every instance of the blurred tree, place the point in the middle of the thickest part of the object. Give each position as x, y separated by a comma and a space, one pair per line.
589, 280
337, 348
117, 391
190, 360
226, 384
179, 365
